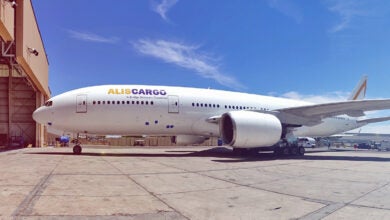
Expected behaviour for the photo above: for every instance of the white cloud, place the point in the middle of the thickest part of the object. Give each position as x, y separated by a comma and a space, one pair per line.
328, 97
287, 8
91, 37
186, 56
163, 8
347, 10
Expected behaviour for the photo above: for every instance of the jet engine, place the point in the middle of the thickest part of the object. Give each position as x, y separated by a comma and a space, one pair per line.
246, 129
188, 139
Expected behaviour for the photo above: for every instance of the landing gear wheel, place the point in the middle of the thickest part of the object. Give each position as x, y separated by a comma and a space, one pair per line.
77, 149
294, 151
301, 151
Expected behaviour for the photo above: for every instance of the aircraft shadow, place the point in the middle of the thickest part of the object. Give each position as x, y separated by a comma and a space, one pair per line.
224, 155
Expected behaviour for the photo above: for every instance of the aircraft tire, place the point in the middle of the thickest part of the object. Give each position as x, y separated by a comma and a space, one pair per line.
301, 151
294, 151
77, 149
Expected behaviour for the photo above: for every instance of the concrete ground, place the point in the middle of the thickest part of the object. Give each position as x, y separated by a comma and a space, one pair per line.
192, 183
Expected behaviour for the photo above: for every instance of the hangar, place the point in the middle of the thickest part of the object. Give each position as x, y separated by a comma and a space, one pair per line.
23, 74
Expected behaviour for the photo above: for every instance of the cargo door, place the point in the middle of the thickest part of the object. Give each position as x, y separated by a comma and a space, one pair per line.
173, 104
81, 104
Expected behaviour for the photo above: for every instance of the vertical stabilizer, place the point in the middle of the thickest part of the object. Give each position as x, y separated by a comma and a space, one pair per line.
359, 92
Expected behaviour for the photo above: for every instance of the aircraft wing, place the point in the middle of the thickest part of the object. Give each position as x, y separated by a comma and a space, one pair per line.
311, 115
373, 120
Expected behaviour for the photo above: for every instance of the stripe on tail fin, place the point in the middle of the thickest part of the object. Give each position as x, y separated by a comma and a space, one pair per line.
359, 93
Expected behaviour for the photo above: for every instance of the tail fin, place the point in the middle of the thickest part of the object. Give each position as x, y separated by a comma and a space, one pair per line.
359, 92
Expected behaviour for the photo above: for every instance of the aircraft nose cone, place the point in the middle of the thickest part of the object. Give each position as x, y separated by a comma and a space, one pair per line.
40, 115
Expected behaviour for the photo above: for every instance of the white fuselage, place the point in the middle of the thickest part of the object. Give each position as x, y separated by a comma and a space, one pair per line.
163, 110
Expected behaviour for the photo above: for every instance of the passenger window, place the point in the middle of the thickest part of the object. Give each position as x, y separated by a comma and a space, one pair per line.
99, 102
146, 102
123, 102
132, 102
94, 102
142, 102
128, 102
108, 102
151, 103
137, 102
104, 102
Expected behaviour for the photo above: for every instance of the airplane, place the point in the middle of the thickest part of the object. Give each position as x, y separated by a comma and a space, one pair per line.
243, 121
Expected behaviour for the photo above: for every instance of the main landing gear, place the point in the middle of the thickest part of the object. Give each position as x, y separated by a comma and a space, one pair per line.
285, 148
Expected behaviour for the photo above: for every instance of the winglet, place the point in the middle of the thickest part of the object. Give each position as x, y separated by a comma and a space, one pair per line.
359, 93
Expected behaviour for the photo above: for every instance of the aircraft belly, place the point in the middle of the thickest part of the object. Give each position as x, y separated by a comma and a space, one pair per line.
202, 127
127, 123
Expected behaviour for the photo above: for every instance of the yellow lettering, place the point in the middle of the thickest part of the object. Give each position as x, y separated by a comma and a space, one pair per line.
111, 91
119, 91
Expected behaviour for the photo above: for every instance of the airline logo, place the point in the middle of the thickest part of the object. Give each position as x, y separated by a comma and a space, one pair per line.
122, 91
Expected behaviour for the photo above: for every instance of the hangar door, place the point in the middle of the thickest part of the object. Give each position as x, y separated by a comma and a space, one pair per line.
81, 104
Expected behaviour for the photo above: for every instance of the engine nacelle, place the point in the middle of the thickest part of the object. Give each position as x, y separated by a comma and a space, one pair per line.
246, 129
188, 139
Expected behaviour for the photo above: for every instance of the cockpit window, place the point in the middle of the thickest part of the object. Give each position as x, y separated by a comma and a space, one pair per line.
48, 103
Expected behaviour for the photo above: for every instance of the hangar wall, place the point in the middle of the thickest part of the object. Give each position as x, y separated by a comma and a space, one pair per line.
23, 74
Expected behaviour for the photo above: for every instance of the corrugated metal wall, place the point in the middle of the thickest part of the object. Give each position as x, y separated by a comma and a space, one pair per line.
17, 103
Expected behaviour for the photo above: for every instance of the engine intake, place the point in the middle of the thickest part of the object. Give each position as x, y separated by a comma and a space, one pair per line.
246, 129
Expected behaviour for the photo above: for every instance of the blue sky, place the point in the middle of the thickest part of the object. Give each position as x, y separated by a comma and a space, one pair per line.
311, 50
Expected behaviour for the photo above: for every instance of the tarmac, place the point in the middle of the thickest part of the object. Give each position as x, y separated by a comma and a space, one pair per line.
192, 183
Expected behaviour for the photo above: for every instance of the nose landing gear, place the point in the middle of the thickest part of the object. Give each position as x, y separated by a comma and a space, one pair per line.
77, 149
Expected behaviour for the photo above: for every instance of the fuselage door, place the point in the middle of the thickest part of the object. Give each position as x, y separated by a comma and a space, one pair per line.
173, 104
81, 103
